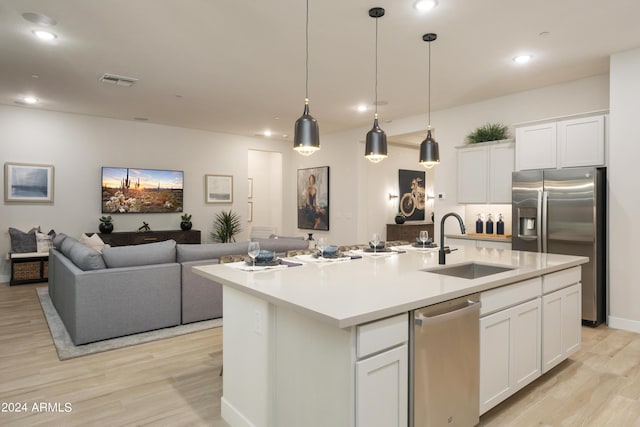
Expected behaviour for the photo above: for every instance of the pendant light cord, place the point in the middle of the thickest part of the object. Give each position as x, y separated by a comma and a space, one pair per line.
376, 101
306, 82
429, 88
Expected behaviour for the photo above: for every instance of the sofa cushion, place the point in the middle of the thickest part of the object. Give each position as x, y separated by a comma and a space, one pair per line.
67, 244
149, 253
84, 257
282, 244
22, 242
186, 252
57, 241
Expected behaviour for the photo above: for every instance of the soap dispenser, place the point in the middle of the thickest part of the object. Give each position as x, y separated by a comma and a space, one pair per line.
479, 225
500, 225
489, 225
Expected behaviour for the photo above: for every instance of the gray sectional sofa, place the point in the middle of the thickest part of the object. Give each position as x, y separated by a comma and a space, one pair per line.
131, 289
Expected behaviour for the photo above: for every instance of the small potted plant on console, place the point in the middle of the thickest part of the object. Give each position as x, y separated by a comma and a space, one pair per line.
185, 224
106, 226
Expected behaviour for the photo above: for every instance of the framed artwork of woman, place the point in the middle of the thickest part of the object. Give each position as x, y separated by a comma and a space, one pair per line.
313, 198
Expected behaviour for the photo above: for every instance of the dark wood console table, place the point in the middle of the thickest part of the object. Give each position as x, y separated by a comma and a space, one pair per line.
408, 231
122, 238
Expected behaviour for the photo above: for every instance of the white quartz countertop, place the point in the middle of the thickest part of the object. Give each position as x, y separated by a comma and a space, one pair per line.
358, 291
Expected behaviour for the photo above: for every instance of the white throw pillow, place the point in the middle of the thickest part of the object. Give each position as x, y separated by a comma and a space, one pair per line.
44, 242
94, 242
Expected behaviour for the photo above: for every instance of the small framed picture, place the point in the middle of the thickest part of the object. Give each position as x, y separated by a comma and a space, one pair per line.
28, 183
249, 211
218, 188
250, 187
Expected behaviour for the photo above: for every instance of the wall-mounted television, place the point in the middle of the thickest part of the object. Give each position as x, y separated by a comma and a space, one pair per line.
129, 190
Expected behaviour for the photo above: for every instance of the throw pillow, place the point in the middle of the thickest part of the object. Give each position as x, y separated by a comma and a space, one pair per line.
94, 242
22, 242
44, 242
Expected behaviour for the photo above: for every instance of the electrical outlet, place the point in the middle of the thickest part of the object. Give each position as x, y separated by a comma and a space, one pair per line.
441, 196
257, 320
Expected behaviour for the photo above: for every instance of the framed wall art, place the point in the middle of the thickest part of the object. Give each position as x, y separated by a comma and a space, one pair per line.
218, 188
411, 185
28, 183
313, 198
135, 190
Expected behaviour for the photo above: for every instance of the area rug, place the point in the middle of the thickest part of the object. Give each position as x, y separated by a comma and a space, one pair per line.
67, 350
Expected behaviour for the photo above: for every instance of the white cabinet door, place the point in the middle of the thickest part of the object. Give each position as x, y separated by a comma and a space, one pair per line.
581, 142
509, 352
501, 165
536, 147
561, 320
473, 175
382, 389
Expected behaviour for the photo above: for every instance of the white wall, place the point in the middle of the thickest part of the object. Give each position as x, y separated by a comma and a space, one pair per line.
624, 202
79, 145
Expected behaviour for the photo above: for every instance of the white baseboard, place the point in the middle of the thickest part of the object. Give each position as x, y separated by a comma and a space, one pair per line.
625, 324
232, 416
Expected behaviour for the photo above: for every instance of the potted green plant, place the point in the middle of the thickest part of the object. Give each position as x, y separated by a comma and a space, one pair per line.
488, 132
225, 226
185, 223
106, 226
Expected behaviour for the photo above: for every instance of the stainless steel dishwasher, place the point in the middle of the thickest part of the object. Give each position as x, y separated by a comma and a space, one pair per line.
444, 358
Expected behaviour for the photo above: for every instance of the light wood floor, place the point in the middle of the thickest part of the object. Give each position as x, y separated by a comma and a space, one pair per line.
175, 382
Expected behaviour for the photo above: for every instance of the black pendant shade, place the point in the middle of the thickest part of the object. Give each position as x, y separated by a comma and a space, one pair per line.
429, 153
376, 144
306, 139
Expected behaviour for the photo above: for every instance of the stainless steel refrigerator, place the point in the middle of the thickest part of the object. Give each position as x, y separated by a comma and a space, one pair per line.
563, 211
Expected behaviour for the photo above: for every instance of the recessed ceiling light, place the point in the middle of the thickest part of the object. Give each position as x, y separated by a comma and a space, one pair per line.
522, 59
39, 18
425, 5
362, 108
30, 100
44, 35
267, 133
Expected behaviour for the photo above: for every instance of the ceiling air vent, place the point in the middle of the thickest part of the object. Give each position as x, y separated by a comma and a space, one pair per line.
117, 80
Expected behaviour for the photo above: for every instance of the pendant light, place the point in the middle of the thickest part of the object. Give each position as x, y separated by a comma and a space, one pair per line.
306, 139
429, 154
375, 149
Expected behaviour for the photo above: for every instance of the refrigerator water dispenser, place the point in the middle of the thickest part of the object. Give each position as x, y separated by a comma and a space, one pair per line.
528, 221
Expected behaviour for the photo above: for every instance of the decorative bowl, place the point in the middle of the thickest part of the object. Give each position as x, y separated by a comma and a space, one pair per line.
330, 250
380, 245
265, 256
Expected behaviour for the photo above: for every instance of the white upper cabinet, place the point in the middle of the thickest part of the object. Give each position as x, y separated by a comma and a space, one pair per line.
581, 142
484, 173
536, 147
562, 143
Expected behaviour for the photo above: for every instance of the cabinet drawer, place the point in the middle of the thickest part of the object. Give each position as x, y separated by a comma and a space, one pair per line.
510, 295
382, 334
561, 279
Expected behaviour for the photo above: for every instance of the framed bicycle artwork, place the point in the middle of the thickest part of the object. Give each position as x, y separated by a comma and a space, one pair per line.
411, 186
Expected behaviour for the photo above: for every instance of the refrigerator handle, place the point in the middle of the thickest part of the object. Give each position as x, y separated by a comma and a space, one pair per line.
540, 224
545, 202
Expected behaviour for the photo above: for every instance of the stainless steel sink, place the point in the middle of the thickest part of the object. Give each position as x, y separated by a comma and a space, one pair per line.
469, 270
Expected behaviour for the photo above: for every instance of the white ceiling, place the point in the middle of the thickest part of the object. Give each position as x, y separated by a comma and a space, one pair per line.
237, 66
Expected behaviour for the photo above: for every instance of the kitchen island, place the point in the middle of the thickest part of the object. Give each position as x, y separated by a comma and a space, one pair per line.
302, 345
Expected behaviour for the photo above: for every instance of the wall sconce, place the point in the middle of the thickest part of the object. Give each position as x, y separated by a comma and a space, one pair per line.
429, 197
392, 196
